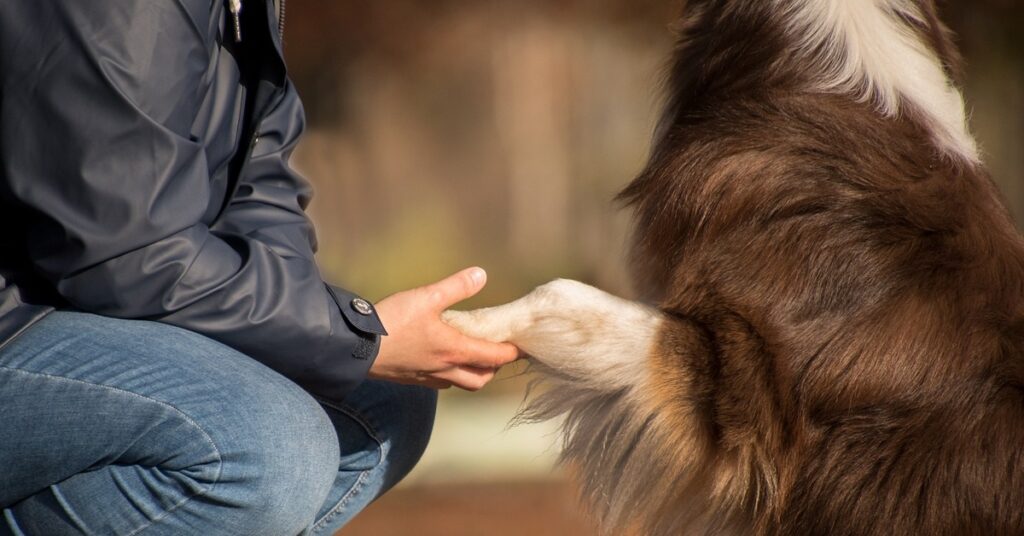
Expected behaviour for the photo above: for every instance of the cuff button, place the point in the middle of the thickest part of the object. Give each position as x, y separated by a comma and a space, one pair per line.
362, 306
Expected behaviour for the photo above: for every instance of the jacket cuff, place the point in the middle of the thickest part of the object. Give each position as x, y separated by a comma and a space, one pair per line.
360, 314
361, 317
355, 341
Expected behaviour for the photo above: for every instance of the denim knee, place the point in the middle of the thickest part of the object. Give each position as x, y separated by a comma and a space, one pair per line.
280, 458
216, 442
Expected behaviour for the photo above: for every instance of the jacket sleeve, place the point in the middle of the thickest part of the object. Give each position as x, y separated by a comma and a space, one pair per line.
97, 103
269, 206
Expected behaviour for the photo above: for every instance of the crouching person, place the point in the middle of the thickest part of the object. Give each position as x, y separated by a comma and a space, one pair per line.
171, 361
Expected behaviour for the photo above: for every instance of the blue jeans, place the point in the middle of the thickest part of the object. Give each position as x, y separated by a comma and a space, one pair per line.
130, 427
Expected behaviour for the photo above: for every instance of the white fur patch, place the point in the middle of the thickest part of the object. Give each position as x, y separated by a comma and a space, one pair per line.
574, 329
868, 51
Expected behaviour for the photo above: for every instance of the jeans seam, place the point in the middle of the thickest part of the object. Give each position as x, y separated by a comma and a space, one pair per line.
339, 508
206, 436
381, 448
170, 510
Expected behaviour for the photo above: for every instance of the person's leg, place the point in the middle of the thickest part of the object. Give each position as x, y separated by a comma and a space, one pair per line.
128, 427
383, 429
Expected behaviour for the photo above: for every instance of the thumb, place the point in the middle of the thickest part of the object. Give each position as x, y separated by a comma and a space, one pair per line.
457, 287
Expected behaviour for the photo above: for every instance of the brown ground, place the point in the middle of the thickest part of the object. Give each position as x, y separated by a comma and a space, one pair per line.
500, 509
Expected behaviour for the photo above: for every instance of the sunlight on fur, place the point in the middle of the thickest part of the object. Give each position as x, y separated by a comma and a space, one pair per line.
838, 342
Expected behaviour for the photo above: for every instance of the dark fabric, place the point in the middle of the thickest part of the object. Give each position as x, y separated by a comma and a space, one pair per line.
144, 174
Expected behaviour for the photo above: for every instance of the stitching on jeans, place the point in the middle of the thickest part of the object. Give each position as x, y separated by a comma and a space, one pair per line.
129, 393
174, 507
361, 480
340, 507
361, 420
206, 435
381, 447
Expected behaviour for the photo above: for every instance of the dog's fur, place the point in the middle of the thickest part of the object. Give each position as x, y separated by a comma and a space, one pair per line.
837, 343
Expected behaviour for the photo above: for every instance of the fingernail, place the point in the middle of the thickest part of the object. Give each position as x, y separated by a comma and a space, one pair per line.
478, 276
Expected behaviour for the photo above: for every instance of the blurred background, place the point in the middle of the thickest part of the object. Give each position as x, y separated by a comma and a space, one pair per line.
450, 133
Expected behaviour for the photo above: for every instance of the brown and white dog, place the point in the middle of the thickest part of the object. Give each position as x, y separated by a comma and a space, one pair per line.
837, 345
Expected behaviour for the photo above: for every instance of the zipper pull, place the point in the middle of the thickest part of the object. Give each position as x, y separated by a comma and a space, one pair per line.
236, 9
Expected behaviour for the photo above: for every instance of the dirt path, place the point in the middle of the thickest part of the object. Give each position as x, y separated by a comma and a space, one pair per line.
521, 509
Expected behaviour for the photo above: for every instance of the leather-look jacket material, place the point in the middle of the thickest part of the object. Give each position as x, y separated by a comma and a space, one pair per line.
144, 174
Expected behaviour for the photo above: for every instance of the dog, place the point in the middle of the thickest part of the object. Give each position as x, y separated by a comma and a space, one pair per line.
836, 337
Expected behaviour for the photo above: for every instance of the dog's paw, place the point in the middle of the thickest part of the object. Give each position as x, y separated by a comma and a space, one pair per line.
487, 324
551, 310
568, 326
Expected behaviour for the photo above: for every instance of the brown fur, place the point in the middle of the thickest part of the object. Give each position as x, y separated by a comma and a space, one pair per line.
843, 353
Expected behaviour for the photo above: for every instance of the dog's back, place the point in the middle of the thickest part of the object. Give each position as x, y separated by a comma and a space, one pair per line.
840, 326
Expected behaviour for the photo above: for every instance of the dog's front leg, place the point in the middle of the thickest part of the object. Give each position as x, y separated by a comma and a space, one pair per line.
572, 328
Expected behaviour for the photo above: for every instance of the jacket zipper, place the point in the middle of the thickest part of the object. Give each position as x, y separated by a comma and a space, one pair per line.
235, 6
280, 21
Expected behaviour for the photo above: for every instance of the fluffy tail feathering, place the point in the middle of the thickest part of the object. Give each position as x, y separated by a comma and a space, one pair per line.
592, 352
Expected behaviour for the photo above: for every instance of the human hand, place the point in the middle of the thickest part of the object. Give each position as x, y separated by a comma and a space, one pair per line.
421, 349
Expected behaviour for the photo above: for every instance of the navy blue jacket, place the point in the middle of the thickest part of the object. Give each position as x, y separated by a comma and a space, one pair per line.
144, 174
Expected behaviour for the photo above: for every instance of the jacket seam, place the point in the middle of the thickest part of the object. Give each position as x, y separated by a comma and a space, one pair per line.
23, 329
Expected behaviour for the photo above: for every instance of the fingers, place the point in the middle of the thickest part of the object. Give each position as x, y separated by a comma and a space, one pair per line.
468, 378
456, 288
483, 354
